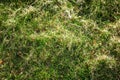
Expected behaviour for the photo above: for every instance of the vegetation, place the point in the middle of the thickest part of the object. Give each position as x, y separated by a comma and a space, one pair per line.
60, 39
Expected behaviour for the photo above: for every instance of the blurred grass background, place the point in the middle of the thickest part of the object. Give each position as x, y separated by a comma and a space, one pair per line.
60, 39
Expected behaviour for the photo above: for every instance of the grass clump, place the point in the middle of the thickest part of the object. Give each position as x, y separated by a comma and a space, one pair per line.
100, 73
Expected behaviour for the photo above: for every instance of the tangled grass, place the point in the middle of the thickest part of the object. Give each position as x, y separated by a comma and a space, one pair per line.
59, 39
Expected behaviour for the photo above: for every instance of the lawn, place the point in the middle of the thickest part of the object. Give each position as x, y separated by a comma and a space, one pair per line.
59, 39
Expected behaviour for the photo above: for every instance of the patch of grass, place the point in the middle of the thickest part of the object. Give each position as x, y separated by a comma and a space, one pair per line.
100, 11
45, 39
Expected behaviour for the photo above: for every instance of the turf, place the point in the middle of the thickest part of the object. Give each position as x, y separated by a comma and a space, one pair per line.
59, 40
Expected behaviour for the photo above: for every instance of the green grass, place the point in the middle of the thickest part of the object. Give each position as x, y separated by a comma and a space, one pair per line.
59, 40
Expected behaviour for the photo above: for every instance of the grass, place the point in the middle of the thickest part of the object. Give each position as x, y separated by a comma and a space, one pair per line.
53, 39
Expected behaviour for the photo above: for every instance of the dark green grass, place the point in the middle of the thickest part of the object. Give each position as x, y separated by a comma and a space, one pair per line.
57, 40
